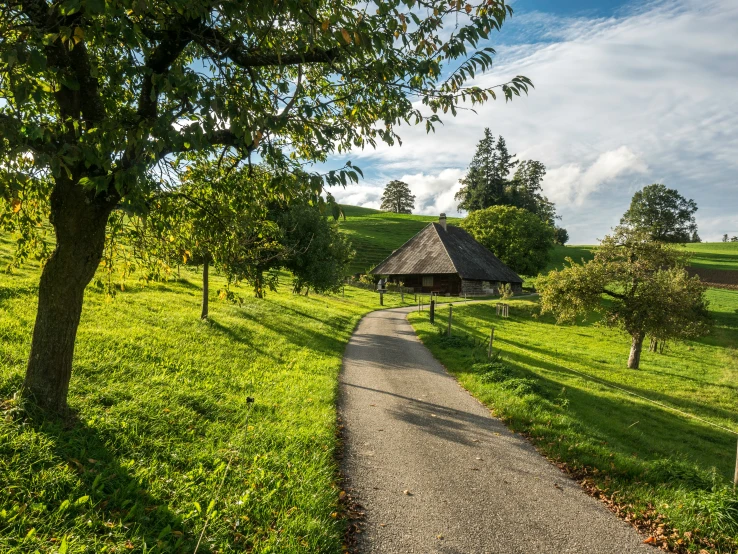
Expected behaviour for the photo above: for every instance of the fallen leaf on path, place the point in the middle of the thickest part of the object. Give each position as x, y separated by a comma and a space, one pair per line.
439, 537
650, 540
407, 492
383, 525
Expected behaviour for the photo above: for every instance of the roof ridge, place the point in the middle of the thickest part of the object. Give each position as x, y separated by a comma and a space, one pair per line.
445, 246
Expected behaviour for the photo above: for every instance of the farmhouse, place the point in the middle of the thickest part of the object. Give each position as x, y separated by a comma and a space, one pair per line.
447, 260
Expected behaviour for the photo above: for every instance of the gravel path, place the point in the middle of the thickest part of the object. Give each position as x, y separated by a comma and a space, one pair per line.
436, 473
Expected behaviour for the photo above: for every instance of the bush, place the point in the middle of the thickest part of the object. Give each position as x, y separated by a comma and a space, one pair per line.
520, 386
454, 341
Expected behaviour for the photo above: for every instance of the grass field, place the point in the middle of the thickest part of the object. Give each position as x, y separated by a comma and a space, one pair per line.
558, 389
708, 255
713, 255
374, 234
163, 440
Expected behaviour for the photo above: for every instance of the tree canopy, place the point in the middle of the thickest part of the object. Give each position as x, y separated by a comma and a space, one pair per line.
102, 100
637, 284
663, 213
488, 181
516, 236
397, 198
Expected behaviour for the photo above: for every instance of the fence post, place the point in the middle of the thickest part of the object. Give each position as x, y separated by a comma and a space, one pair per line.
402, 296
491, 340
450, 317
432, 311
343, 290
735, 477
381, 299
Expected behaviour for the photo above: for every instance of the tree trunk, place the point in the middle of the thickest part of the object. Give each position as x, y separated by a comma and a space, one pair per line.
636, 345
79, 221
205, 289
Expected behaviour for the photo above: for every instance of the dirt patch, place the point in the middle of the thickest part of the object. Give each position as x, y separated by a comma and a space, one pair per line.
719, 278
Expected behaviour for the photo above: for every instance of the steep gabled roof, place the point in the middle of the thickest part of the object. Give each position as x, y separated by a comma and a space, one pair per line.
435, 250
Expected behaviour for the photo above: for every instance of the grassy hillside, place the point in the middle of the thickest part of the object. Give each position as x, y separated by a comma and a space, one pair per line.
707, 255
559, 390
163, 442
713, 255
375, 234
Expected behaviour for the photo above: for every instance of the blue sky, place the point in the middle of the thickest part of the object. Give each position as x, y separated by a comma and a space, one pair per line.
626, 95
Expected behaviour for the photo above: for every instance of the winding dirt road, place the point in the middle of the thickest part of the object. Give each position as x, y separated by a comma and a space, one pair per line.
436, 473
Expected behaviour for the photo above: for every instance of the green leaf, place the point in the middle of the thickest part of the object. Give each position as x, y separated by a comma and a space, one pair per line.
96, 6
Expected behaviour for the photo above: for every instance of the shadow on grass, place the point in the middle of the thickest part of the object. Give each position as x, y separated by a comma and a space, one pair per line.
104, 494
676, 402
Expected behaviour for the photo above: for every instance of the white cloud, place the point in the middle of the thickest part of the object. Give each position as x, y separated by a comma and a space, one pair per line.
573, 184
619, 103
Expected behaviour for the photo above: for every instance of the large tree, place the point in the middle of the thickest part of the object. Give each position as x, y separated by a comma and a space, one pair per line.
100, 98
397, 198
663, 213
516, 236
487, 176
636, 284
488, 181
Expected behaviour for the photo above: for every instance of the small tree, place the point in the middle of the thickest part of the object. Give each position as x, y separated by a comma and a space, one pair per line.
561, 236
216, 217
636, 284
725, 237
519, 238
397, 198
663, 213
317, 253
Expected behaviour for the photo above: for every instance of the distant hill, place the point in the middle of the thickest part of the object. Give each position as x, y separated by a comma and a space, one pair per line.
376, 234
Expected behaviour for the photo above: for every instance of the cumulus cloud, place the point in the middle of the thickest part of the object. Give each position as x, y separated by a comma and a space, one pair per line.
573, 184
619, 103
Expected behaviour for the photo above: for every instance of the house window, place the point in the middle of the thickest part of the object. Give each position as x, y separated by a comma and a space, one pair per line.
427, 280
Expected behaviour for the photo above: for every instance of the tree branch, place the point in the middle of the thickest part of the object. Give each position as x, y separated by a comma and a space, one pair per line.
614, 294
241, 56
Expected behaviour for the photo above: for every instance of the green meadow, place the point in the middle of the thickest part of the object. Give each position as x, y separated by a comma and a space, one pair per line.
568, 389
163, 449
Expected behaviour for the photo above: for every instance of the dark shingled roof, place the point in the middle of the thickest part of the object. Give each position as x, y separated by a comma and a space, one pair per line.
435, 250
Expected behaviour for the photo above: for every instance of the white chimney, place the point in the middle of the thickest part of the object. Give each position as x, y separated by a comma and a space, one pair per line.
442, 221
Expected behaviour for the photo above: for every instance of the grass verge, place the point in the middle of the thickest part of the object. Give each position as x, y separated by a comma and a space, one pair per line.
163, 441
667, 473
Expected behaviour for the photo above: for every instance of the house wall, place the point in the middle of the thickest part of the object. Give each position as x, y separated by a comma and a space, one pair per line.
442, 283
483, 288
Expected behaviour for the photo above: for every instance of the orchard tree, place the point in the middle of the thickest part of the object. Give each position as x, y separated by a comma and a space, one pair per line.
99, 97
397, 198
317, 253
561, 236
516, 236
216, 217
663, 213
636, 284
